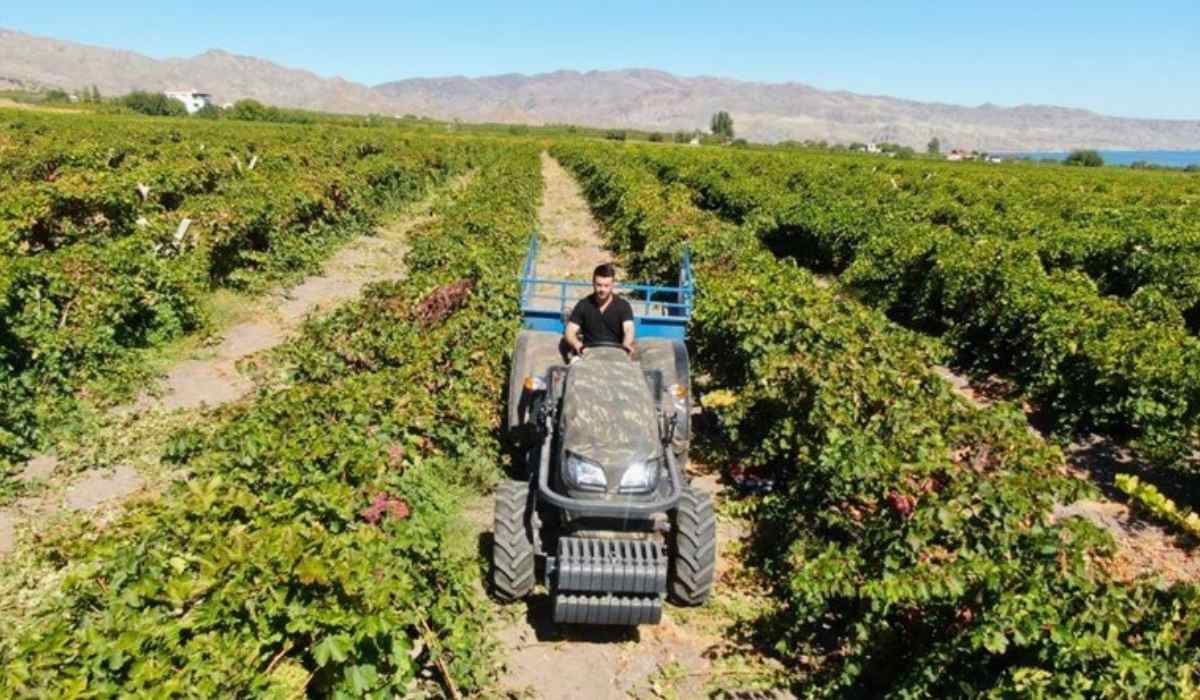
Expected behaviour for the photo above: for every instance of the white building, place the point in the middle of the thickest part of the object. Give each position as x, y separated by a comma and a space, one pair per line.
192, 100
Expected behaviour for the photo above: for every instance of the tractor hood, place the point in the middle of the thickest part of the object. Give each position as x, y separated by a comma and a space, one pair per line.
609, 416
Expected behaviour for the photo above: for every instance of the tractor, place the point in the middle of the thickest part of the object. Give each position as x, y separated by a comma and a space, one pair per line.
605, 516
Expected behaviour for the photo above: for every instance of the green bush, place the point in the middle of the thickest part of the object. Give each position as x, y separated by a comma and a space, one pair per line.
208, 111
254, 111
1084, 157
155, 104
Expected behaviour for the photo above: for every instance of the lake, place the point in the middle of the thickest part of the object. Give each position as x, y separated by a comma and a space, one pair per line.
1174, 159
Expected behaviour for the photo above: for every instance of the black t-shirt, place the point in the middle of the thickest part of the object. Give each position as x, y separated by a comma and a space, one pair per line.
597, 327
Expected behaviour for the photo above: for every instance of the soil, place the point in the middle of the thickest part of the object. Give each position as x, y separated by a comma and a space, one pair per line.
213, 378
680, 657
1143, 548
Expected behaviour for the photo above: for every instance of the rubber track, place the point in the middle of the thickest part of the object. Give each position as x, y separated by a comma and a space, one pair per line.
695, 556
513, 560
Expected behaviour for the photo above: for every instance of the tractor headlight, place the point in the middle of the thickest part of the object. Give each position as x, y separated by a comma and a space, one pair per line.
584, 474
639, 477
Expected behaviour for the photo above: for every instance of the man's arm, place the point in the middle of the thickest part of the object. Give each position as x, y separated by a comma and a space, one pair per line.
572, 337
627, 336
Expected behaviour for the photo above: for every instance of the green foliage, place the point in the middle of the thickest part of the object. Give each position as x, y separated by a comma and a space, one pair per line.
1084, 157
615, 135
721, 125
154, 104
254, 111
92, 269
934, 147
309, 551
1148, 498
920, 559
945, 250
897, 150
208, 111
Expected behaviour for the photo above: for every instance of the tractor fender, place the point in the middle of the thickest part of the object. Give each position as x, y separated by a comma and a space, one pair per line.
533, 354
670, 357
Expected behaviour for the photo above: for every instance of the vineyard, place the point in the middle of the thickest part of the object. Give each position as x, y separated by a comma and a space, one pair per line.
309, 539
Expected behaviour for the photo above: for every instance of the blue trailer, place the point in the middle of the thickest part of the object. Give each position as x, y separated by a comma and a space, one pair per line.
659, 311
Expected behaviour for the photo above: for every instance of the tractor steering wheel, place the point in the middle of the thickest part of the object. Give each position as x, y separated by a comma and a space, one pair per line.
603, 344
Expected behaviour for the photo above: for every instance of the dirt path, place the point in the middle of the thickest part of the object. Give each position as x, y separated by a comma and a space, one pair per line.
123, 457
680, 657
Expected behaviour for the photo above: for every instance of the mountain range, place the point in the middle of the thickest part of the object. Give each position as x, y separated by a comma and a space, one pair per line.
632, 98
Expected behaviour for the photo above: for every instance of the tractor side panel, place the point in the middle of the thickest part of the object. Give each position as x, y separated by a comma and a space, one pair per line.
671, 358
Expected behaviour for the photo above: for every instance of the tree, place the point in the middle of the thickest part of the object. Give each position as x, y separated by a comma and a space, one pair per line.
208, 111
615, 134
95, 93
155, 104
722, 125
1084, 157
934, 148
249, 110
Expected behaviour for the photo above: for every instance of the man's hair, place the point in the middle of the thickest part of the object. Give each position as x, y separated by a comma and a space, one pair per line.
604, 270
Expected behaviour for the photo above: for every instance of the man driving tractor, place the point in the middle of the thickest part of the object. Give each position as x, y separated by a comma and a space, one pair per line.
601, 317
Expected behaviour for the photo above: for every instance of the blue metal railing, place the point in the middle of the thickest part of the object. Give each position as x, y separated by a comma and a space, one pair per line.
659, 311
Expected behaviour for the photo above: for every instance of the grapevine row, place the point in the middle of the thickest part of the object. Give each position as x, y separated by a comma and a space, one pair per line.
1091, 362
112, 230
1127, 231
919, 557
311, 551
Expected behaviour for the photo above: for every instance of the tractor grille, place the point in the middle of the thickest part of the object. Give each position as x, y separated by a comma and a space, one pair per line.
609, 582
607, 609
611, 566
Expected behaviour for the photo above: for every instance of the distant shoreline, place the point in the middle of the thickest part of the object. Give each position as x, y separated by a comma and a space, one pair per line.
1162, 158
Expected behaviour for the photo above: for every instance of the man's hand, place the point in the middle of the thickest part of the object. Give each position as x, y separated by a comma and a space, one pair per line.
572, 337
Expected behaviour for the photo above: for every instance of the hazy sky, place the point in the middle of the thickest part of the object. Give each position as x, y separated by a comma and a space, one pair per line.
1123, 58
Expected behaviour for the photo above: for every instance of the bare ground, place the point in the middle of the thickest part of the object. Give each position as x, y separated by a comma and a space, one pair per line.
687, 654
100, 476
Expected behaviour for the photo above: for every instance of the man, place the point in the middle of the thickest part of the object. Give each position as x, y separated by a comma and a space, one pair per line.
600, 317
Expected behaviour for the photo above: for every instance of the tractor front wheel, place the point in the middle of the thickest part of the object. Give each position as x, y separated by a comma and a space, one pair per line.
694, 548
513, 560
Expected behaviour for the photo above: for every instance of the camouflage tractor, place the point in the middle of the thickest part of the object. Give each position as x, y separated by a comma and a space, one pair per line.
605, 516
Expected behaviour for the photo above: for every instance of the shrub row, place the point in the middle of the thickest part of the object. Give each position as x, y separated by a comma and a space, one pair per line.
910, 546
92, 267
312, 548
1128, 368
1126, 230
